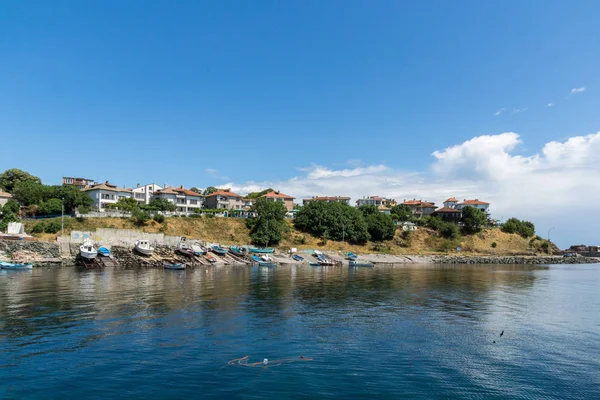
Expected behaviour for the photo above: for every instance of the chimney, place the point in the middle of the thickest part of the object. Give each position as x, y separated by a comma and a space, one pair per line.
165, 186
138, 185
181, 187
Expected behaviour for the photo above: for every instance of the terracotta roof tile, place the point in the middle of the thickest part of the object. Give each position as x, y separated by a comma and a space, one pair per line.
474, 202
451, 200
275, 194
105, 186
224, 192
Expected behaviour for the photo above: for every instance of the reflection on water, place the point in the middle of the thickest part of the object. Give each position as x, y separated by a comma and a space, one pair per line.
413, 332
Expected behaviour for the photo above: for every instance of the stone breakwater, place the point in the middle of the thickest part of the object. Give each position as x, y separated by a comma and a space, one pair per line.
456, 259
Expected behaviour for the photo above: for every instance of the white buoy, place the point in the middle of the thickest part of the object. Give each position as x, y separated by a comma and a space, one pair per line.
265, 361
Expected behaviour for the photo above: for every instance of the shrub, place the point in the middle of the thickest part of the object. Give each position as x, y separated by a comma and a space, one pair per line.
52, 227
524, 228
40, 227
140, 217
11, 206
449, 230
159, 218
299, 239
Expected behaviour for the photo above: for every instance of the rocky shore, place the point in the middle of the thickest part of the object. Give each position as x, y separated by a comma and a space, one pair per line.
48, 253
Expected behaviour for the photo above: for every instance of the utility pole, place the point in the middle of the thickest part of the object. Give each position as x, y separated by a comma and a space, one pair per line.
549, 244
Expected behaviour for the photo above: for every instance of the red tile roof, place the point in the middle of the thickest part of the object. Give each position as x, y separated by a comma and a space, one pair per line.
105, 186
279, 195
224, 192
474, 202
176, 191
451, 200
419, 203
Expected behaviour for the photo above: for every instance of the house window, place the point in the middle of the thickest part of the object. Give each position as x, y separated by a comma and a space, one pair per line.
193, 201
105, 196
180, 201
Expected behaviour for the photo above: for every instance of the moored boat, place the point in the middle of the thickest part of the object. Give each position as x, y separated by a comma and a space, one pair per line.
296, 257
185, 248
174, 266
87, 249
238, 251
103, 251
219, 250
143, 247
264, 250
211, 259
16, 266
266, 258
262, 263
351, 256
198, 249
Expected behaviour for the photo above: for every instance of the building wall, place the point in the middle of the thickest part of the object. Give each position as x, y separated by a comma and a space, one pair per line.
482, 207
143, 194
103, 197
183, 203
223, 202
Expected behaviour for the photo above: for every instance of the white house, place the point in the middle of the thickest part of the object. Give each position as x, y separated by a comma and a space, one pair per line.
143, 194
184, 199
105, 193
481, 205
4, 197
451, 202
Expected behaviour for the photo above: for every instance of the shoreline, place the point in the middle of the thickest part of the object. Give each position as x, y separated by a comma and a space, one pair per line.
54, 254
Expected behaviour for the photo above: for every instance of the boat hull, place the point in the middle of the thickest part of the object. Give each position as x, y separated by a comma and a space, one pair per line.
88, 255
16, 267
144, 252
219, 250
261, 251
174, 267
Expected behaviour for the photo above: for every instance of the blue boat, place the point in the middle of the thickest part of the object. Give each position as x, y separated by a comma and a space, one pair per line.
266, 250
263, 263
298, 258
238, 251
314, 264
15, 267
103, 251
351, 256
174, 266
219, 250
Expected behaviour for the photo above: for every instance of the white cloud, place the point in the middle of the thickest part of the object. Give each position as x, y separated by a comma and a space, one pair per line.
211, 171
557, 186
576, 90
550, 104
500, 111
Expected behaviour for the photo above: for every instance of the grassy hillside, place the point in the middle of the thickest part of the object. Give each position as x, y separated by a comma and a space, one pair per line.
234, 231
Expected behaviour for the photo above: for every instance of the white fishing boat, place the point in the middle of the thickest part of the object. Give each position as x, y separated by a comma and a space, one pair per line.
266, 258
198, 249
142, 246
87, 249
185, 248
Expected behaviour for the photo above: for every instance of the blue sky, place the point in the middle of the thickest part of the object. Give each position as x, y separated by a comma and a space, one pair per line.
250, 94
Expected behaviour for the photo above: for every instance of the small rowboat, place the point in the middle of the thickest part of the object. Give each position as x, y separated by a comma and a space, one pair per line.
103, 251
296, 257
211, 259
185, 249
262, 263
143, 247
174, 266
16, 267
314, 264
266, 250
198, 249
351, 256
219, 250
87, 249
238, 251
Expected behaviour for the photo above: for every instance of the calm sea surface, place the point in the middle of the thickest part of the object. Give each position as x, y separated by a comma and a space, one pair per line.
410, 332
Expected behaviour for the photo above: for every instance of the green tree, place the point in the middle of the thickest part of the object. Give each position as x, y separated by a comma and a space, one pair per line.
73, 198
449, 230
52, 227
50, 207
368, 210
525, 229
256, 195
473, 220
380, 226
11, 206
162, 205
10, 178
402, 212
127, 204
31, 193
140, 217
196, 190
268, 227
7, 216
209, 190
335, 221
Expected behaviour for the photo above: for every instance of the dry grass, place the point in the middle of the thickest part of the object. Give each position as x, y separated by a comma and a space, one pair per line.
424, 241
